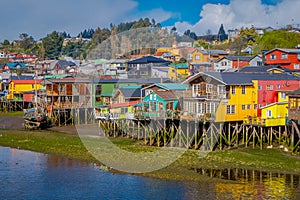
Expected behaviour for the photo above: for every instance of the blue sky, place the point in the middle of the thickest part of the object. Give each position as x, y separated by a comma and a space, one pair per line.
40, 17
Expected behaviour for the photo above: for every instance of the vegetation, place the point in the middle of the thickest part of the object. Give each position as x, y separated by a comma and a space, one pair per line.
50, 47
70, 145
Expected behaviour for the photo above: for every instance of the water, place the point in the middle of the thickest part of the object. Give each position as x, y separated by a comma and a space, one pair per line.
30, 175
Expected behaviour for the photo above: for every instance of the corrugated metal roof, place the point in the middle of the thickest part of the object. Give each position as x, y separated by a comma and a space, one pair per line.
166, 95
265, 68
148, 59
239, 78
285, 50
131, 92
172, 86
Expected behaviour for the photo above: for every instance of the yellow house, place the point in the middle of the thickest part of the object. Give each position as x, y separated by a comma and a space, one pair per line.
275, 114
178, 71
241, 104
207, 55
18, 87
174, 50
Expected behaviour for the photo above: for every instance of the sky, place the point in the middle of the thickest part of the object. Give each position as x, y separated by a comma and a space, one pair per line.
38, 18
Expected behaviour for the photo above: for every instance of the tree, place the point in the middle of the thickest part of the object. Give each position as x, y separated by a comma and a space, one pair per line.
52, 45
277, 39
26, 41
5, 43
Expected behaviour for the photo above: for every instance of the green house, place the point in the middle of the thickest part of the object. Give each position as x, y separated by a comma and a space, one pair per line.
159, 104
104, 90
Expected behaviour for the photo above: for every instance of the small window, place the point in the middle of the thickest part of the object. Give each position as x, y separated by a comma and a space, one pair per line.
255, 106
259, 87
296, 66
282, 95
209, 88
230, 109
269, 87
284, 56
269, 113
243, 107
243, 89
273, 57
197, 57
248, 107
233, 89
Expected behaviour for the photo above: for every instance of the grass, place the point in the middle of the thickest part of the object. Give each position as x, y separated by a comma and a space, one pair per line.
12, 114
70, 145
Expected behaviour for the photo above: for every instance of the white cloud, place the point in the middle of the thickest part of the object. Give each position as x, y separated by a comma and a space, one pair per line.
40, 17
243, 13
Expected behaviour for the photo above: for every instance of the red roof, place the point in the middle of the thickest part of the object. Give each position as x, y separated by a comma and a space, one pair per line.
119, 105
26, 81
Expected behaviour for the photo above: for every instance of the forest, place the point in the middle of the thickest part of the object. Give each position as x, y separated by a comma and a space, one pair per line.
143, 37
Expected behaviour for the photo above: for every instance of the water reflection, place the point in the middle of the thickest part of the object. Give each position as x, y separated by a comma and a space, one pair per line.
29, 175
253, 184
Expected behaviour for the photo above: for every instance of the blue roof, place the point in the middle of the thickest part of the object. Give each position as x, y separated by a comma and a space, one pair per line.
12, 65
148, 59
240, 78
172, 86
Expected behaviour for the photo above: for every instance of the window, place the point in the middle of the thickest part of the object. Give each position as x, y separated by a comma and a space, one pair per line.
273, 57
284, 56
209, 88
200, 108
248, 107
255, 106
259, 87
224, 63
269, 87
221, 91
259, 63
152, 106
269, 113
230, 109
196, 90
243, 107
296, 66
243, 89
144, 73
233, 89
260, 105
197, 57
98, 89
278, 86
282, 95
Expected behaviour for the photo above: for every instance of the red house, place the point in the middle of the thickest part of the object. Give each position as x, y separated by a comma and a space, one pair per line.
268, 90
286, 58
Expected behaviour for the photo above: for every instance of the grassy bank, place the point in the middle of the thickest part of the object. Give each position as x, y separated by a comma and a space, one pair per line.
70, 145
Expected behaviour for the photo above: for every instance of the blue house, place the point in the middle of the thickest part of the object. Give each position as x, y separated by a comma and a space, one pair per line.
160, 104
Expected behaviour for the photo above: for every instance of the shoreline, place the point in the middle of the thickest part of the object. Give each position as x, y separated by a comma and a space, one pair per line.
58, 142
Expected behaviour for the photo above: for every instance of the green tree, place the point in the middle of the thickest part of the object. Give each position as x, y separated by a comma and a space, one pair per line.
52, 45
26, 42
277, 39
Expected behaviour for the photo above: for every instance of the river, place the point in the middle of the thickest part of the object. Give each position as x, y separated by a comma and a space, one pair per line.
30, 175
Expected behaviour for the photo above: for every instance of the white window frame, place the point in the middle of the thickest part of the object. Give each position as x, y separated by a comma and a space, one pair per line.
269, 113
221, 90
209, 88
